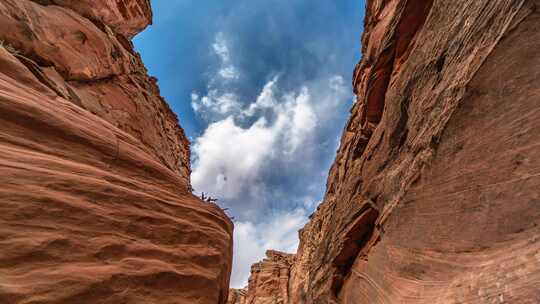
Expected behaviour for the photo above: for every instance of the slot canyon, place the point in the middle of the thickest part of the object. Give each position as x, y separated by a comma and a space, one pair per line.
433, 197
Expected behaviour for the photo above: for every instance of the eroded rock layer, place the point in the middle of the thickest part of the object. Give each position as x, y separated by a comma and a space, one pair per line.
434, 195
95, 202
268, 282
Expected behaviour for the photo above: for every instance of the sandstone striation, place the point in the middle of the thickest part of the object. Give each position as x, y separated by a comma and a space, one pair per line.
433, 196
96, 203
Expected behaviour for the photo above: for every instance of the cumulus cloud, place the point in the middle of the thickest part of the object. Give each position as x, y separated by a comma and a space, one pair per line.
302, 119
228, 157
237, 162
265, 100
261, 155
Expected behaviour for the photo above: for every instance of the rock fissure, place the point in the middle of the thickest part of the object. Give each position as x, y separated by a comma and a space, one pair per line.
355, 240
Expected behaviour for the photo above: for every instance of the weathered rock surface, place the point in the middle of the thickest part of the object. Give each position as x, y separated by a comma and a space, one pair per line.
268, 282
237, 296
434, 196
95, 202
126, 17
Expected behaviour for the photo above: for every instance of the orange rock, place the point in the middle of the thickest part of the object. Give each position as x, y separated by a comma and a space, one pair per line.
54, 36
268, 282
126, 17
96, 203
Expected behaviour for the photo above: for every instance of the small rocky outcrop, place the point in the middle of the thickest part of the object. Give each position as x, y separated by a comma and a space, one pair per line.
268, 282
95, 202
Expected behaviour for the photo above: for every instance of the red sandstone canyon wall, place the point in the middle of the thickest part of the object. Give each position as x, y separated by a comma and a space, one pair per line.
95, 196
434, 196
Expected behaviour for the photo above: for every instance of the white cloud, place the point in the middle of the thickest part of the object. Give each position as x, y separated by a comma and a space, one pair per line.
251, 149
221, 48
330, 92
302, 120
219, 102
337, 83
228, 157
229, 72
215, 104
265, 100
252, 239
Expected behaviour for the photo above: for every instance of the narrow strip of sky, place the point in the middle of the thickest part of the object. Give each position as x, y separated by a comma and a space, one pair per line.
262, 88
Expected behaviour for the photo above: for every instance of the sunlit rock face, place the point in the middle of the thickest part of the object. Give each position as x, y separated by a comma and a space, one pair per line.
434, 194
95, 202
268, 282
126, 17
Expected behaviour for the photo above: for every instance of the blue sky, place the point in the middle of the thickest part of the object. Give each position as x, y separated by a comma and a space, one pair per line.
262, 88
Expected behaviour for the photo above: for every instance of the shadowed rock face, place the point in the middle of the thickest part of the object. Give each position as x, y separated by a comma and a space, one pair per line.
434, 195
95, 202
